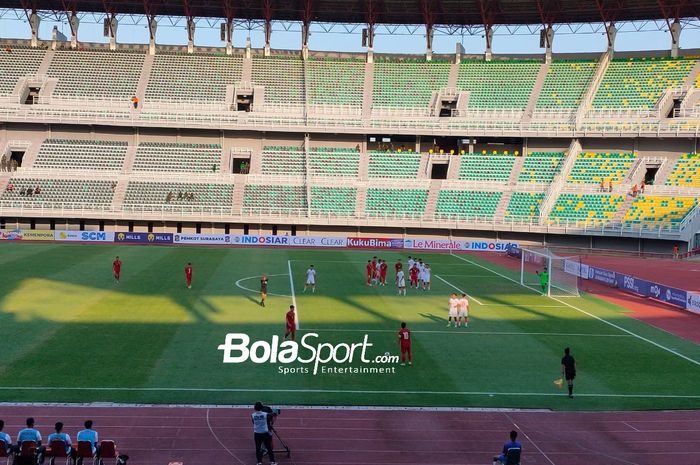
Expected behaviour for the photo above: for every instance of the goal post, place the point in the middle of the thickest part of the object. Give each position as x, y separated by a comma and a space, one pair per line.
558, 275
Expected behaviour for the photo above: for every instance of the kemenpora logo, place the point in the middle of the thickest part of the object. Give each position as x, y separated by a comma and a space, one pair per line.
309, 355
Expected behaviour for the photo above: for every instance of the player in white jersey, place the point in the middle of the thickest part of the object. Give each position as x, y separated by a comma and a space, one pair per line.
453, 312
426, 277
464, 310
310, 279
401, 282
411, 262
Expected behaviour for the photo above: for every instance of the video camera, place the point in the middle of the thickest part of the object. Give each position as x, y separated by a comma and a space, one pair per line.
273, 413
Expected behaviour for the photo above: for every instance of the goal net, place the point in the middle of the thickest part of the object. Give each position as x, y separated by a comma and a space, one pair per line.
543, 271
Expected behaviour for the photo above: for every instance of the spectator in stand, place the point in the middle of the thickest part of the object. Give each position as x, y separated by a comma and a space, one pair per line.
90, 435
37, 191
59, 435
602, 186
31, 434
610, 186
634, 190
114, 185
135, 102
10, 187
642, 186
23, 191
179, 195
30, 191
213, 168
13, 165
3, 163
169, 197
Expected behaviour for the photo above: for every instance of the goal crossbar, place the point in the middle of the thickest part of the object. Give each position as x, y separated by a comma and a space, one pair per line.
543, 271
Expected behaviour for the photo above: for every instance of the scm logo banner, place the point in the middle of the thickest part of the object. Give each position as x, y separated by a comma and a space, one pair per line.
84, 236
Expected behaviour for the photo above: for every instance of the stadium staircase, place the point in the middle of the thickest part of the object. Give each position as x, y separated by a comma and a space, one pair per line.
368, 93
363, 169
693, 76
587, 99
361, 201
536, 90
239, 181
30, 155
453, 76
247, 70
120, 193
517, 168
552, 193
622, 210
144, 78
666, 169
453, 167
128, 166
423, 167
500, 214
45, 63
431, 202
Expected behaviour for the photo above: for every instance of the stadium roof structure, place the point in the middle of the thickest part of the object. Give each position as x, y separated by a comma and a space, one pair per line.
429, 12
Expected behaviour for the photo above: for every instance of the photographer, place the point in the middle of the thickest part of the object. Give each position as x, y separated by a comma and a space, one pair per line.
262, 424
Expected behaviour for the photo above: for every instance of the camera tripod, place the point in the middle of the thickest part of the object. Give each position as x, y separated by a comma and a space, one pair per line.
285, 448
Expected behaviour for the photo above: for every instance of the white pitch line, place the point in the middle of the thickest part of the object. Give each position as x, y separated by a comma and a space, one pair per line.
240, 286
294, 298
459, 290
484, 333
602, 320
528, 438
346, 391
211, 430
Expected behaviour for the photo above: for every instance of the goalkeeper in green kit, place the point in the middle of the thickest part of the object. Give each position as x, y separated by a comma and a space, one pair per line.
544, 279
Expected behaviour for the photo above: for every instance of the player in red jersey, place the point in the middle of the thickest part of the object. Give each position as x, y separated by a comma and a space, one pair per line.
375, 271
405, 344
414, 276
398, 266
291, 324
382, 272
370, 272
188, 275
117, 269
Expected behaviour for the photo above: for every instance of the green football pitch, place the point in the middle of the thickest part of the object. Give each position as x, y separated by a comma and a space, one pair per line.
69, 333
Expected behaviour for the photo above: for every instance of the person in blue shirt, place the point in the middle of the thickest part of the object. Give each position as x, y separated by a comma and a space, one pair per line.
90, 435
59, 435
512, 444
4, 437
31, 434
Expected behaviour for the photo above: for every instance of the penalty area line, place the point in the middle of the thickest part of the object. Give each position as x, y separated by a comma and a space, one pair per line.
348, 391
602, 320
294, 297
459, 290
466, 333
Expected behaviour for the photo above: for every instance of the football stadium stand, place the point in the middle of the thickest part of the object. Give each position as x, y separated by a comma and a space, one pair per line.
336, 82
594, 167
192, 77
186, 158
592, 209
486, 167
648, 210
63, 193
498, 84
565, 84
70, 154
168, 195
524, 205
340, 201
408, 83
395, 202
467, 204
275, 199
16, 62
686, 172
541, 167
283, 160
283, 78
638, 83
334, 161
393, 164
96, 73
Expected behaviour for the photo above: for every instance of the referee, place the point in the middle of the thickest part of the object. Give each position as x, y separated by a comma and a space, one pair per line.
261, 432
568, 370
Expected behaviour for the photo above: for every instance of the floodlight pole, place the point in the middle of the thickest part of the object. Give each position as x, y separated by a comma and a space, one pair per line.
669, 12
488, 19
429, 20
73, 21
371, 18
611, 32
549, 10
33, 19
307, 14
152, 26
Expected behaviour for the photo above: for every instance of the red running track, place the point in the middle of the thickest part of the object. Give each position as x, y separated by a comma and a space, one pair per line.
223, 436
